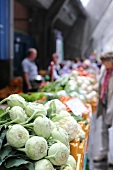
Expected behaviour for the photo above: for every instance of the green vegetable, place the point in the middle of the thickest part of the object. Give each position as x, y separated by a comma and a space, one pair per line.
30, 108
44, 164
10, 158
2, 136
57, 85
35, 148
58, 154
14, 100
42, 126
52, 124
74, 94
17, 136
69, 124
17, 114
71, 86
71, 161
33, 96
86, 122
15, 162
61, 93
77, 118
64, 80
55, 106
61, 135
66, 167
82, 97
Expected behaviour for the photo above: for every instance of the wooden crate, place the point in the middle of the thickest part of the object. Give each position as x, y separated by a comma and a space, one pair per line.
81, 148
80, 161
74, 146
86, 130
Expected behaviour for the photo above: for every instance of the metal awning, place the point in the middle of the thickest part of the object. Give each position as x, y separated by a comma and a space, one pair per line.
45, 3
68, 13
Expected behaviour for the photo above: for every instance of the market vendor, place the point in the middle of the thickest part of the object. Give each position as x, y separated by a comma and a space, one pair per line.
30, 71
105, 104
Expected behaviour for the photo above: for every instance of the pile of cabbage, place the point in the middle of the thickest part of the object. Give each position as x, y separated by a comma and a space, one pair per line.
81, 87
73, 85
36, 136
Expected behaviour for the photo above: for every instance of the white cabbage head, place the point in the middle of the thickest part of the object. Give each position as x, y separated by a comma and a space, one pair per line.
42, 126
36, 148
44, 164
17, 136
18, 113
58, 105
35, 107
58, 154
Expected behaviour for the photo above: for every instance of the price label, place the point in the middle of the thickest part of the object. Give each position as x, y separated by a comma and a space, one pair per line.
76, 106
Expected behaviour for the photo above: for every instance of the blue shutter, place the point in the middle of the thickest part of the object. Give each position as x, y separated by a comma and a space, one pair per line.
4, 29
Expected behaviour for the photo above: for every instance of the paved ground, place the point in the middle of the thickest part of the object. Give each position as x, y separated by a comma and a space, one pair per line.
102, 166
95, 144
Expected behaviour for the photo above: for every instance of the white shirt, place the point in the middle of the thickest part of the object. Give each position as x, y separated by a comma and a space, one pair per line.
30, 68
55, 74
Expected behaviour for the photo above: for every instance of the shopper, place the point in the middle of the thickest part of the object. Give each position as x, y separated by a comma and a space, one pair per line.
30, 71
93, 59
74, 64
79, 62
91, 67
66, 68
105, 104
56, 67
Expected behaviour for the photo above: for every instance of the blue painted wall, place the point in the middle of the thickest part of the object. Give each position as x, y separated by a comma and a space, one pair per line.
21, 44
4, 29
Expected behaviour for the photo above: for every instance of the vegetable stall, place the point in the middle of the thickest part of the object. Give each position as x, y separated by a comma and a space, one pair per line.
49, 129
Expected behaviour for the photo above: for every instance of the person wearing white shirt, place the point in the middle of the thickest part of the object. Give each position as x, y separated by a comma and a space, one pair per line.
56, 67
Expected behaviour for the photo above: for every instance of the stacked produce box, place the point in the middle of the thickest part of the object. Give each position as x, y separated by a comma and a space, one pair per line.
41, 131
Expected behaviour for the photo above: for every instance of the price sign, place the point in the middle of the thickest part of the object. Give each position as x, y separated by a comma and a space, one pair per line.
76, 106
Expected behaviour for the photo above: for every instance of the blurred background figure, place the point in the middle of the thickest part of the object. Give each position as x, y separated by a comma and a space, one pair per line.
56, 67
30, 71
77, 63
93, 59
87, 64
74, 64
66, 67
91, 67
105, 104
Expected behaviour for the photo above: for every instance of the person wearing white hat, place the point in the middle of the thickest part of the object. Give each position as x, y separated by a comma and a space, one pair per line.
105, 104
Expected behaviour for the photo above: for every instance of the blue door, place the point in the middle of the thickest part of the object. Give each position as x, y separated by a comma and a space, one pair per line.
5, 29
